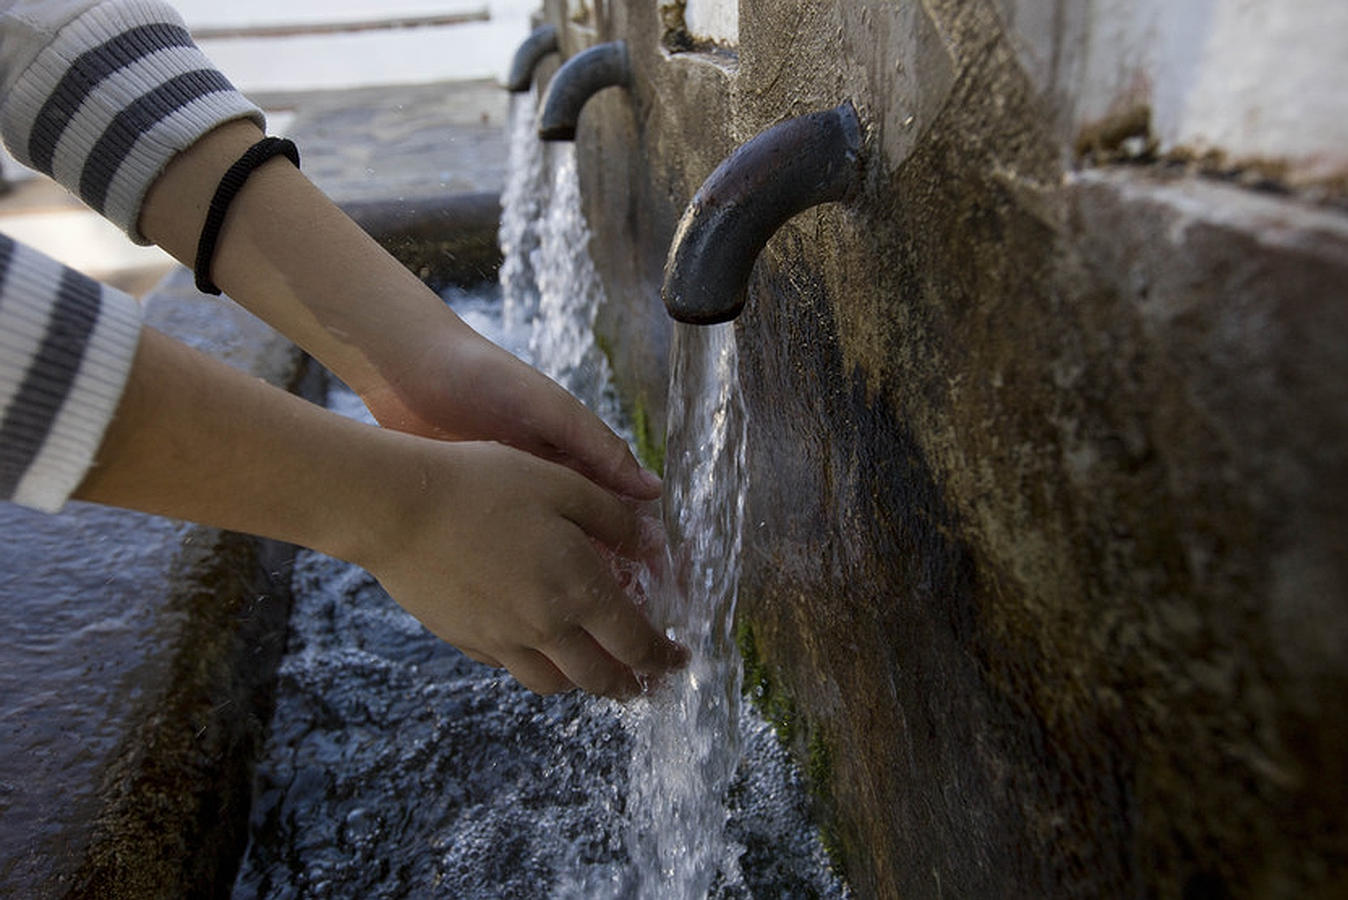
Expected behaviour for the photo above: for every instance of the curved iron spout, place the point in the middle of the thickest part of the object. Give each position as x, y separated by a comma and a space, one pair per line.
785, 170
579, 78
540, 42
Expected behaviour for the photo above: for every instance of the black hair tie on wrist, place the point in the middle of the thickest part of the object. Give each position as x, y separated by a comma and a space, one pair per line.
230, 184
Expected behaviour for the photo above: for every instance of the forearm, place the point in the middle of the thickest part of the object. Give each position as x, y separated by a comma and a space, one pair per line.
291, 256
195, 439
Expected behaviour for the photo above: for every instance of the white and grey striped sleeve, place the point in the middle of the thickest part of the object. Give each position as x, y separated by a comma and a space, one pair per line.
66, 347
101, 96
102, 102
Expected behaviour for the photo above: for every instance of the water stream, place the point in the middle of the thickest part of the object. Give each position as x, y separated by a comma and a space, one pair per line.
397, 767
687, 736
523, 200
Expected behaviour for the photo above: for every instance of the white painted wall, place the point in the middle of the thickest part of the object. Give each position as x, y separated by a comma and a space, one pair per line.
713, 20
1252, 79
402, 56
236, 13
409, 56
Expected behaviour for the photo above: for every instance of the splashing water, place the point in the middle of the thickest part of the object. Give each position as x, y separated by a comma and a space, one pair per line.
686, 737
397, 767
689, 833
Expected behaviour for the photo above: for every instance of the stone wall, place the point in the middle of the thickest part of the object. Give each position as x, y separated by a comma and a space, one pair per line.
1047, 564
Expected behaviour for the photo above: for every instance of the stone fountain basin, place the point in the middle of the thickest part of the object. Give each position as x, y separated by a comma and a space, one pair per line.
140, 653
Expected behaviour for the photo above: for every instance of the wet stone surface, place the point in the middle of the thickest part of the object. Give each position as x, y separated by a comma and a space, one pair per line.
80, 600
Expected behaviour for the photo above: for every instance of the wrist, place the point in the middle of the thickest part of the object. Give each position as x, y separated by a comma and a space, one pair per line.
387, 491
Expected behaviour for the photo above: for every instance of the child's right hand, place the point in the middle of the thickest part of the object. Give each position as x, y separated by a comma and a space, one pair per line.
491, 549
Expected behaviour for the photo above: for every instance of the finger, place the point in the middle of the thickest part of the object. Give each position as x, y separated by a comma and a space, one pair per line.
590, 447
654, 539
536, 672
601, 514
581, 659
623, 631
483, 658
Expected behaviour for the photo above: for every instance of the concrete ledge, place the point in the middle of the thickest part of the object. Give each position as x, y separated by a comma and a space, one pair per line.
176, 794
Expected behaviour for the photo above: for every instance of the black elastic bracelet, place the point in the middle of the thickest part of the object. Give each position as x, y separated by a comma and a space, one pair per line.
229, 186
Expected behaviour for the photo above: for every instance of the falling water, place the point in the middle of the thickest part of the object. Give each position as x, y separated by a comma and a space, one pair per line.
522, 203
397, 767
687, 741
569, 294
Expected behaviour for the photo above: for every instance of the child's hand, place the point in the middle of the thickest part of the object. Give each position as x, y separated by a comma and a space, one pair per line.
293, 258
491, 549
462, 387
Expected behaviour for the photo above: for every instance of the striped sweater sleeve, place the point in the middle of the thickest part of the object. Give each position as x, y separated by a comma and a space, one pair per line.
101, 96
66, 346
104, 101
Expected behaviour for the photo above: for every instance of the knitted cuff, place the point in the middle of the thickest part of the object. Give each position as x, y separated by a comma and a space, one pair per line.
66, 348
105, 106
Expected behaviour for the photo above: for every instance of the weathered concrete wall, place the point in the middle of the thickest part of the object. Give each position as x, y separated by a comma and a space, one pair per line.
1047, 570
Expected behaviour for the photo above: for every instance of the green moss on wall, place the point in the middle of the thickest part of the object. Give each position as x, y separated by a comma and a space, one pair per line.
776, 705
650, 446
818, 762
779, 708
757, 684
605, 345
819, 773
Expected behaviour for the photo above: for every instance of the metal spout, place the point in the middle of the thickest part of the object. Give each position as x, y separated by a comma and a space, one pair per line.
783, 171
580, 78
540, 42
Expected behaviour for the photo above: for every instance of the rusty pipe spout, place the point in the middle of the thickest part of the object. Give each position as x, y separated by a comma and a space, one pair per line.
580, 78
540, 42
785, 170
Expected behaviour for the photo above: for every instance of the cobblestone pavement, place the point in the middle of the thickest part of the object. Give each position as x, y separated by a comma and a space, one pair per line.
400, 142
